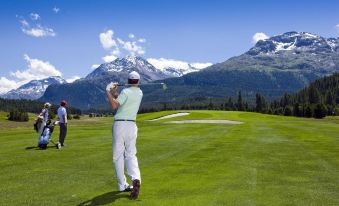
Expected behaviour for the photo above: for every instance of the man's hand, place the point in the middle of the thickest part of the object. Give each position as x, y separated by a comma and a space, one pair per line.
109, 86
115, 85
115, 89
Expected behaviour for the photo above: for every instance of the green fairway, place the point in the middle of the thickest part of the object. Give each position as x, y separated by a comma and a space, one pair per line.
267, 160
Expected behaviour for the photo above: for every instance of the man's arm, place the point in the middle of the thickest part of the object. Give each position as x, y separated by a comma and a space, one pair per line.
112, 97
64, 115
64, 118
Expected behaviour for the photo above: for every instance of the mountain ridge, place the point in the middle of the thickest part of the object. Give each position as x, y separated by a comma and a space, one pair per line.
34, 89
263, 68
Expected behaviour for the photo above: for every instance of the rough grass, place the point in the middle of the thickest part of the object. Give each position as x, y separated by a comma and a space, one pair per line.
268, 160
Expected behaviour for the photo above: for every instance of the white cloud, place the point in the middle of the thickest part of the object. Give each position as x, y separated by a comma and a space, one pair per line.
94, 66
131, 47
259, 36
35, 29
116, 51
109, 58
200, 65
7, 85
38, 31
56, 10
117, 46
72, 79
35, 16
24, 22
106, 39
142, 40
120, 41
36, 69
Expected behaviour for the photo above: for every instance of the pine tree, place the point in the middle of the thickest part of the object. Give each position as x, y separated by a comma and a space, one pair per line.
330, 98
320, 111
314, 95
308, 111
296, 110
287, 111
230, 104
210, 105
240, 104
261, 105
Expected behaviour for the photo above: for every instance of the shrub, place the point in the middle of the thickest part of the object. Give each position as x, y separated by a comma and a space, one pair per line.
76, 116
18, 116
287, 111
320, 111
69, 116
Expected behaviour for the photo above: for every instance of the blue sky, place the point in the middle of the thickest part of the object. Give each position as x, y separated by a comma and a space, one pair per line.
66, 41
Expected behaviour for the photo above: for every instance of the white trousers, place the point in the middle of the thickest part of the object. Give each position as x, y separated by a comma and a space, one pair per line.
124, 152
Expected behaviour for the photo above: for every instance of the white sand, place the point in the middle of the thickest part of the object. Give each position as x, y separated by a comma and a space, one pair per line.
171, 116
206, 121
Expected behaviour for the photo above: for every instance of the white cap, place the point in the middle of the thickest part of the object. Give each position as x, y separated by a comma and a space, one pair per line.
133, 75
47, 104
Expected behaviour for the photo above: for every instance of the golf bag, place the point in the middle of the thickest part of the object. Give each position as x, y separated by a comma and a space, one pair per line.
46, 135
37, 124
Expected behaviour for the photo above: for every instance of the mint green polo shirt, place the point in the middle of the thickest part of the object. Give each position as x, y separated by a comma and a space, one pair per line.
129, 100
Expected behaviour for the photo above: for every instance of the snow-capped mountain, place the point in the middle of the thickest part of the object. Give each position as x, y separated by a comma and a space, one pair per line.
295, 42
178, 71
33, 89
122, 66
281, 64
176, 68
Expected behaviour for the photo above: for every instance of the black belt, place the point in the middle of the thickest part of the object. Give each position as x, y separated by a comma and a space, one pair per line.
124, 120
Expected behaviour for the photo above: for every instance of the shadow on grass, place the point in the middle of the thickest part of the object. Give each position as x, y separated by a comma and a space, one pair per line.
37, 148
27, 148
104, 199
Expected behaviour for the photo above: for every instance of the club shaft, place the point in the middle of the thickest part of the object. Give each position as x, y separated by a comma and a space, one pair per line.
123, 85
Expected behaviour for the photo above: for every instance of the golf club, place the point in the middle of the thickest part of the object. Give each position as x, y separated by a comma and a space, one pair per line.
164, 86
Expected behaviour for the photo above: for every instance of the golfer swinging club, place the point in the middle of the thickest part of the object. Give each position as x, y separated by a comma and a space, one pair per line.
125, 132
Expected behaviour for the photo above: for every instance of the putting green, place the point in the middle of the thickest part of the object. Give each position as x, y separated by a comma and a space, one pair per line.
267, 160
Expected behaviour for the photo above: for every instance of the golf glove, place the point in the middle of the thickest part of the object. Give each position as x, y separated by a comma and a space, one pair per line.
110, 86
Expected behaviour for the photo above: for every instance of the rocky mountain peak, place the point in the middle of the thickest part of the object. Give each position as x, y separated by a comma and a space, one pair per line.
295, 42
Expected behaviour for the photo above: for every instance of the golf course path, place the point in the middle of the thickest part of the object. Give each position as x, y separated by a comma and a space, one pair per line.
171, 116
206, 121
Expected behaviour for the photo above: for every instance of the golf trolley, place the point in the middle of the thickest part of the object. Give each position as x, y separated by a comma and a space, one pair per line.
46, 135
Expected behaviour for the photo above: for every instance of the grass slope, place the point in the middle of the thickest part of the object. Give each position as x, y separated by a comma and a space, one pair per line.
268, 160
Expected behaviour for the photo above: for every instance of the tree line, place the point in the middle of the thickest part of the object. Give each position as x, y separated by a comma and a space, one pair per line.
319, 99
18, 108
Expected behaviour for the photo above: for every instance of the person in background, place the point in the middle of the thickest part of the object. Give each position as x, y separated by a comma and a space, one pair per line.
62, 117
43, 116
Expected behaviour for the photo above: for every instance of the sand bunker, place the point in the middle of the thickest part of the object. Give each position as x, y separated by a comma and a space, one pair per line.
206, 121
171, 116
